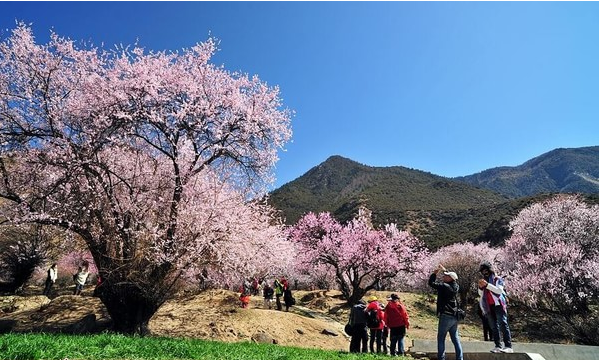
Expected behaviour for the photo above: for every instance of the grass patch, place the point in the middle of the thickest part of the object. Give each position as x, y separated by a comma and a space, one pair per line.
114, 346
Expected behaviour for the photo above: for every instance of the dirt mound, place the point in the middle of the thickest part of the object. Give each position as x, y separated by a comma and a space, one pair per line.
217, 315
65, 314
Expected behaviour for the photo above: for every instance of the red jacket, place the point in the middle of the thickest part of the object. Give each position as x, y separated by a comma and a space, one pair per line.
396, 315
380, 315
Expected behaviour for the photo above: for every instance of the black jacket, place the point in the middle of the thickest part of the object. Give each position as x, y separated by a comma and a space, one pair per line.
358, 314
446, 295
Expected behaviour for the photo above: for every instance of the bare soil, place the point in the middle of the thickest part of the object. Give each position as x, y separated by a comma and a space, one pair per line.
317, 321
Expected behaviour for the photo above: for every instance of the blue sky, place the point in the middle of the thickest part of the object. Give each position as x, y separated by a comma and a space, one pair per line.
452, 88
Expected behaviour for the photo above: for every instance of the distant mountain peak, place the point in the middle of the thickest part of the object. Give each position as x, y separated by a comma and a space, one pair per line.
570, 170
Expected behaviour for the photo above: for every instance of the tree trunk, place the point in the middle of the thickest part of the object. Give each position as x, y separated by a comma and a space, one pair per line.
130, 307
356, 295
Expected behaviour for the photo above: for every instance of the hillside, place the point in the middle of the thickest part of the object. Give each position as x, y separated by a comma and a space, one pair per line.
557, 171
438, 210
340, 185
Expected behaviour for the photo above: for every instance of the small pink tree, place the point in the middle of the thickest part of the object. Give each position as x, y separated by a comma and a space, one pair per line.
357, 255
553, 259
153, 159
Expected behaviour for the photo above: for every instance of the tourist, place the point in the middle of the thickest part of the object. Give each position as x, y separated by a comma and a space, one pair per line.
80, 278
50, 279
397, 320
278, 291
359, 334
447, 306
376, 332
493, 304
268, 296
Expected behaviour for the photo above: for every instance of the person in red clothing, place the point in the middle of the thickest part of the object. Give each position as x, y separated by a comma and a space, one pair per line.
376, 333
397, 320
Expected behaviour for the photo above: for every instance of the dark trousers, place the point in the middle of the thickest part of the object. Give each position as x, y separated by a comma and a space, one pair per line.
385, 337
498, 320
48, 287
376, 335
359, 337
397, 335
278, 302
487, 333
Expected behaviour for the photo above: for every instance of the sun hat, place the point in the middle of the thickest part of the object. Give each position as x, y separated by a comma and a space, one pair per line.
393, 297
372, 298
451, 274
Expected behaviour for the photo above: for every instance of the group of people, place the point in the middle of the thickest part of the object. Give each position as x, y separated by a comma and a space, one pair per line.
382, 321
79, 278
280, 288
393, 318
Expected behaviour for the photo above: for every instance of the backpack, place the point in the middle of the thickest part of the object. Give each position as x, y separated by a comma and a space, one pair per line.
372, 320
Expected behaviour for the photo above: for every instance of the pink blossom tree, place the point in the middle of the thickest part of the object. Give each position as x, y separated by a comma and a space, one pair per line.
357, 255
152, 158
553, 258
463, 259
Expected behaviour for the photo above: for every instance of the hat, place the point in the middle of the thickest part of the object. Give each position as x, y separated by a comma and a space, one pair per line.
372, 298
393, 297
451, 274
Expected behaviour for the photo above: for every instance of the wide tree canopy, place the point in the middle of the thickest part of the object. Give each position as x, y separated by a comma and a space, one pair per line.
553, 260
358, 256
152, 158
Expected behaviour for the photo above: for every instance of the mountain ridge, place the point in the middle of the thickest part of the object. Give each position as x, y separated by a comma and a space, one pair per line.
438, 209
559, 170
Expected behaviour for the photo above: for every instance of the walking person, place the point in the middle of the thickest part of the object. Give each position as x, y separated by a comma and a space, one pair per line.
494, 305
447, 291
50, 279
397, 320
359, 334
80, 279
374, 311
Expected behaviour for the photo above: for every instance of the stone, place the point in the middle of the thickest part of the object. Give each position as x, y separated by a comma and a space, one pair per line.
262, 338
86, 325
329, 332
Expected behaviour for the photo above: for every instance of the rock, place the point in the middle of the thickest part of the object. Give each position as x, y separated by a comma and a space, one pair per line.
300, 331
262, 338
86, 325
329, 332
6, 326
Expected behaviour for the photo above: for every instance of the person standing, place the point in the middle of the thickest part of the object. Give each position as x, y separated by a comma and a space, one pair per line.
278, 291
50, 279
487, 333
80, 279
376, 332
359, 334
385, 335
245, 299
447, 305
289, 300
268, 296
493, 305
397, 320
